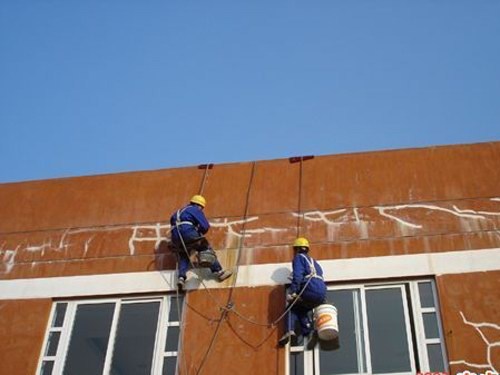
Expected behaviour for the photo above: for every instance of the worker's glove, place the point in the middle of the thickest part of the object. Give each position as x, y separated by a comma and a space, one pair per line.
291, 297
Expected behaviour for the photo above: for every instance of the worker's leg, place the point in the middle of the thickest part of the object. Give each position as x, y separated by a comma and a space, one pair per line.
303, 316
183, 265
216, 267
290, 320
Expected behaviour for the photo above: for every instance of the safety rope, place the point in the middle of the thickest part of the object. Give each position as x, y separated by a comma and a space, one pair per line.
230, 304
243, 229
299, 208
205, 176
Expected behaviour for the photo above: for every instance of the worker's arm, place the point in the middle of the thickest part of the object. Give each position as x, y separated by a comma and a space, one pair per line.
298, 274
203, 225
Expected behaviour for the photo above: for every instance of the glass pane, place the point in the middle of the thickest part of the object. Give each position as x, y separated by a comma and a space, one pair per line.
52, 344
172, 339
169, 365
59, 314
387, 331
89, 339
436, 362
431, 326
297, 363
175, 309
47, 367
426, 295
135, 339
346, 359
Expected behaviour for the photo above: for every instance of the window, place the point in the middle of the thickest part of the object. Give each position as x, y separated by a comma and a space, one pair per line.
391, 328
128, 336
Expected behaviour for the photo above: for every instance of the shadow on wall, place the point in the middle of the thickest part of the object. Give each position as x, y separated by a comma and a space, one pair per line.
165, 257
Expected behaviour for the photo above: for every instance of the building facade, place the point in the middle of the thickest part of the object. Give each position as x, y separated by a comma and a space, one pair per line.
409, 241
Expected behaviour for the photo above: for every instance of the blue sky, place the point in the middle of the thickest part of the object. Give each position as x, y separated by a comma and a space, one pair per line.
104, 86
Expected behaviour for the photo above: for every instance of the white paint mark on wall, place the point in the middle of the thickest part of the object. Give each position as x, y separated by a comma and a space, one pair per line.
478, 213
137, 236
489, 345
382, 212
321, 216
224, 223
42, 247
87, 245
356, 214
9, 258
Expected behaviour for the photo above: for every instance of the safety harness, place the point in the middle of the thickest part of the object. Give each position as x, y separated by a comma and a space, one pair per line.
313, 273
178, 220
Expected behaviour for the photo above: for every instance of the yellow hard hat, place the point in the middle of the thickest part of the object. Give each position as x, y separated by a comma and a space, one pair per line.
301, 242
198, 199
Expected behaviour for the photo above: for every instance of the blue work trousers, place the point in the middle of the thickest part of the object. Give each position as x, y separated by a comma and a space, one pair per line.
302, 310
198, 244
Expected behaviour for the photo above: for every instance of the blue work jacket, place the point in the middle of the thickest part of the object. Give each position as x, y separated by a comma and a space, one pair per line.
302, 272
192, 224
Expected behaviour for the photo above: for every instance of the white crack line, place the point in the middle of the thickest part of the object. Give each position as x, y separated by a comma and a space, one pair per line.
489, 345
9, 258
495, 199
381, 211
477, 212
356, 215
321, 216
229, 224
470, 214
87, 244
157, 238
38, 248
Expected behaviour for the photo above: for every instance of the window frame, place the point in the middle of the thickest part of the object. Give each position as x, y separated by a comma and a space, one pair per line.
414, 324
162, 325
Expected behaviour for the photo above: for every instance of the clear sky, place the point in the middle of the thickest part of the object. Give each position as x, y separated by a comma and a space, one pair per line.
104, 86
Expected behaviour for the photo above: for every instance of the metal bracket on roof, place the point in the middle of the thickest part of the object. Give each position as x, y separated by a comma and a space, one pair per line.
296, 159
206, 166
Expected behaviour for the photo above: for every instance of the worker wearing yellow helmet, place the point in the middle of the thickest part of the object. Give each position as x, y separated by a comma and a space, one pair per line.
307, 291
189, 226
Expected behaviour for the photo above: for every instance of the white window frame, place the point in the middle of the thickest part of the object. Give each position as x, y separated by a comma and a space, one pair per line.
312, 358
69, 319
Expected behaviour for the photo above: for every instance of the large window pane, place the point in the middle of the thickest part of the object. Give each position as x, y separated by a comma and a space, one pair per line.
89, 339
135, 339
347, 358
387, 331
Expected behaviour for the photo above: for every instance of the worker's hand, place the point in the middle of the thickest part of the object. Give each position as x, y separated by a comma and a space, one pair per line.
291, 297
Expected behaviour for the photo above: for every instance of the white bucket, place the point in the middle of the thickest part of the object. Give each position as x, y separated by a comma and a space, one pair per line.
325, 321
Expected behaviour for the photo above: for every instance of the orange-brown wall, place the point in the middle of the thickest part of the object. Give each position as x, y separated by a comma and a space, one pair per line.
396, 202
22, 328
87, 225
470, 310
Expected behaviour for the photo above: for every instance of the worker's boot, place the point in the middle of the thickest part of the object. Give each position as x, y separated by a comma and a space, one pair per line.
223, 275
285, 339
312, 339
181, 282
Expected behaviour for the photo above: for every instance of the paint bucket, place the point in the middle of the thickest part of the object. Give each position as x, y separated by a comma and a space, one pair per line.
325, 321
206, 258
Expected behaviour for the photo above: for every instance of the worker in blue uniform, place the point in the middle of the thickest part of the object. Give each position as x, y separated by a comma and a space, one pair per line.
308, 290
189, 225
